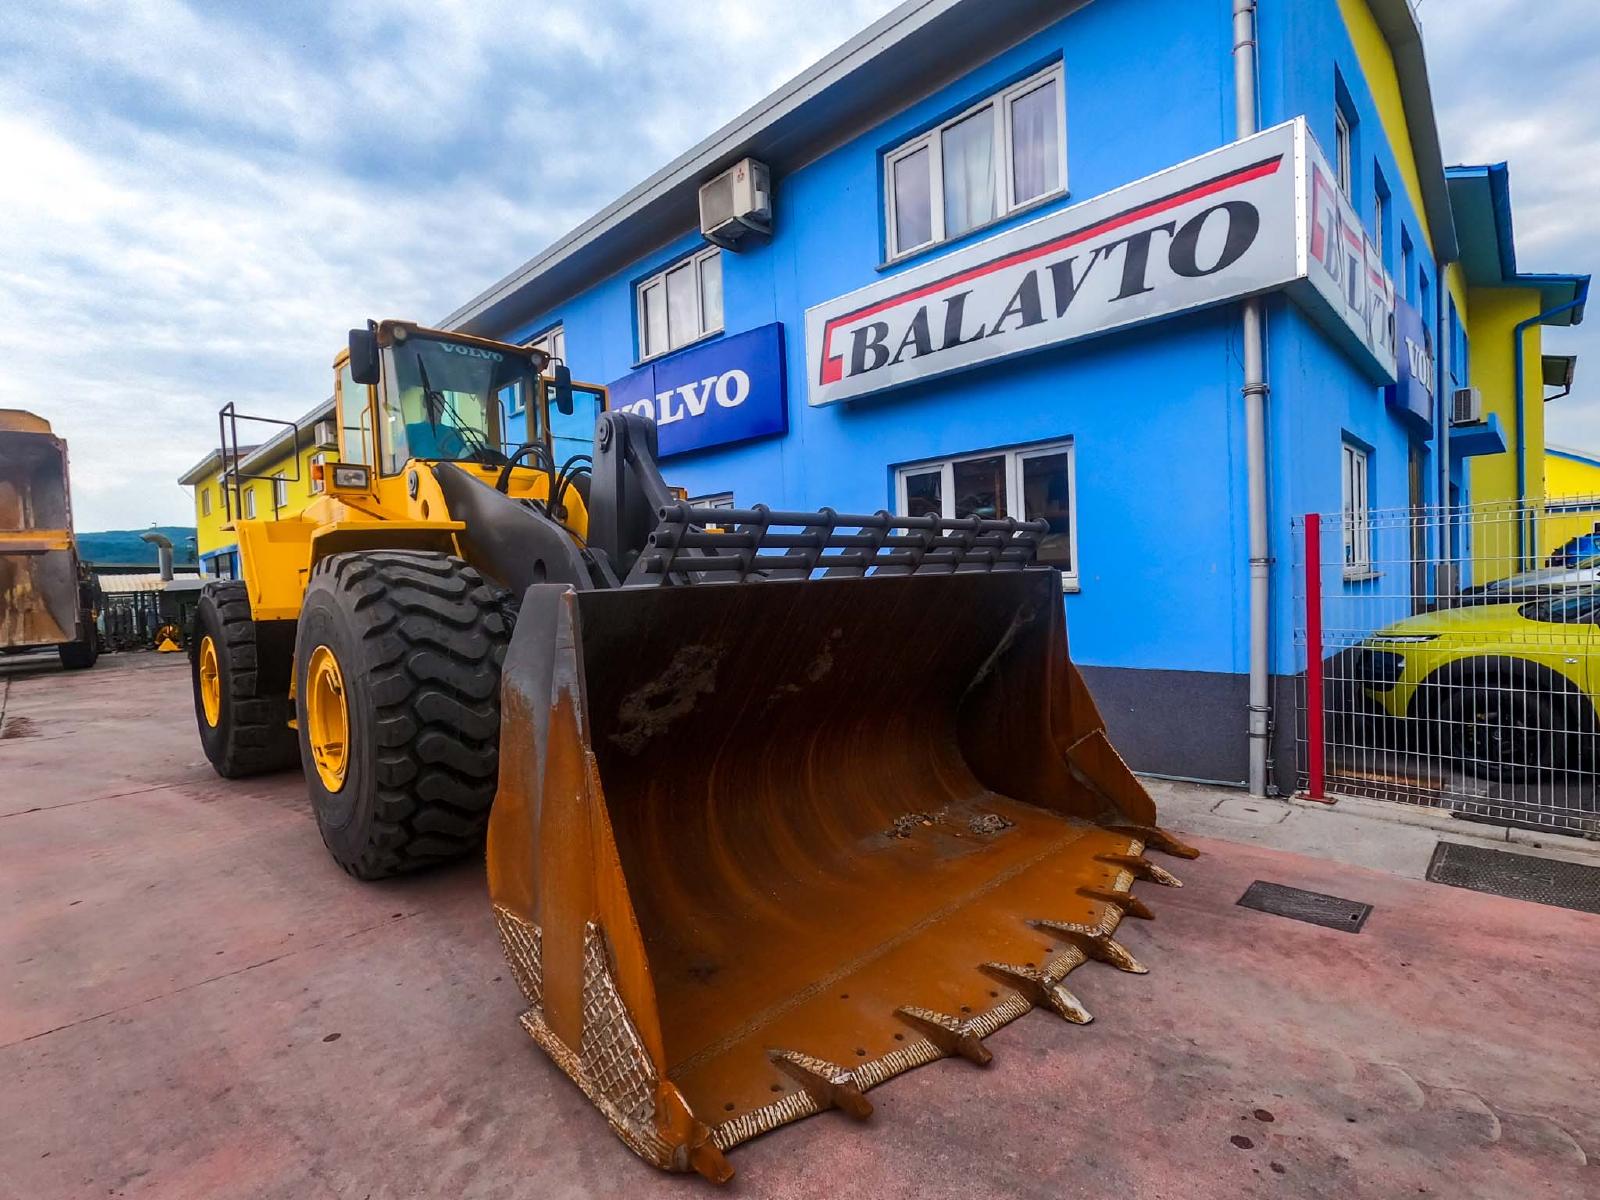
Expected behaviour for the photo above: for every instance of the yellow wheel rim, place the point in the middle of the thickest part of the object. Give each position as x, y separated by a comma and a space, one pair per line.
210, 682
327, 718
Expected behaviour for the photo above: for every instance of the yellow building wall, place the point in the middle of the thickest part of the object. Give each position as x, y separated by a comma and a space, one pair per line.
1494, 314
212, 532
209, 534
1377, 64
1566, 477
1572, 487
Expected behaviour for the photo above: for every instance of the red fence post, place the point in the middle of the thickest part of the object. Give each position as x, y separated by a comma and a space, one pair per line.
1316, 744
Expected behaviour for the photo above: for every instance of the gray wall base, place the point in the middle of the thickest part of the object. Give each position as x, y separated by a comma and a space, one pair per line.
1191, 724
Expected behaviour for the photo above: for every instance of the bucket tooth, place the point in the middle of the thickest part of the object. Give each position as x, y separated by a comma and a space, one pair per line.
1142, 867
1041, 990
709, 1162
829, 1084
950, 1034
1157, 839
1127, 901
1095, 944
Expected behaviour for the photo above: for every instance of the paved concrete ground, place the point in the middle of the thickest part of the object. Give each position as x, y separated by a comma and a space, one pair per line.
195, 1003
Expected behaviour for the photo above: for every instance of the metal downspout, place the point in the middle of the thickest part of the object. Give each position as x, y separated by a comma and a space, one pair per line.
1255, 431
1518, 358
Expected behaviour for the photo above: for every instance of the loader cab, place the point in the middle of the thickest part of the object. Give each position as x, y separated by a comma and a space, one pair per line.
405, 392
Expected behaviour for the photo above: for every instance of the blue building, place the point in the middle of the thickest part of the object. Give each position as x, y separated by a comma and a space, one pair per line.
1010, 248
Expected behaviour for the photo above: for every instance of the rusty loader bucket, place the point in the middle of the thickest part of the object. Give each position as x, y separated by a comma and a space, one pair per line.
760, 846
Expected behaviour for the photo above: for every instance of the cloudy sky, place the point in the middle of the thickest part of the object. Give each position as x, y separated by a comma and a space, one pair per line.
199, 198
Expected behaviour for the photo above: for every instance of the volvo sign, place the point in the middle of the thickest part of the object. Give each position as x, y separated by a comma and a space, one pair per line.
728, 390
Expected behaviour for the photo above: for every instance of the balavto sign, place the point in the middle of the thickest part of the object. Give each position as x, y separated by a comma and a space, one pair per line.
1232, 223
730, 389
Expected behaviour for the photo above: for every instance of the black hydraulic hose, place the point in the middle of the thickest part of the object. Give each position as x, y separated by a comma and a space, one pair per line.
536, 449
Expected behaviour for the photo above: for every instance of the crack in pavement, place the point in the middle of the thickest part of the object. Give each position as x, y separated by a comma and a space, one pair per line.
189, 987
38, 808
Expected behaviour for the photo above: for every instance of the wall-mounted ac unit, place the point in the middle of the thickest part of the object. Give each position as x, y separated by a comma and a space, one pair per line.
1466, 406
737, 204
324, 435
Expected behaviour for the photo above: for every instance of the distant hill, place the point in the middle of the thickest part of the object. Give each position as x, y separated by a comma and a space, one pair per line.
126, 545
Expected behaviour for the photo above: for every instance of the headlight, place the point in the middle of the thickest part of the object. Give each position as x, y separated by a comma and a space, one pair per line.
1404, 639
349, 477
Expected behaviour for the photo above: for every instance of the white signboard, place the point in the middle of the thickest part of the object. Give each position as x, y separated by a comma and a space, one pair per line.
1231, 223
1342, 262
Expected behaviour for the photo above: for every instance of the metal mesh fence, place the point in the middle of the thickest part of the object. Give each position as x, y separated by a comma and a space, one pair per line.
1451, 658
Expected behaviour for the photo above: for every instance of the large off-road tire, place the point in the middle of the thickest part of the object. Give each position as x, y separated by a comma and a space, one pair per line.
239, 670
79, 656
397, 691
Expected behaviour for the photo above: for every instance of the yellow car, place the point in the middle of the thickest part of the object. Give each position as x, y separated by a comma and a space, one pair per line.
1507, 690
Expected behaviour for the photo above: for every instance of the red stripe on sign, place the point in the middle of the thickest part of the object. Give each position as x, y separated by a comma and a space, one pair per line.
833, 365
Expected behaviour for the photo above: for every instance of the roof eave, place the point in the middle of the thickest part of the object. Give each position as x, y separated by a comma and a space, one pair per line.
273, 448
1400, 29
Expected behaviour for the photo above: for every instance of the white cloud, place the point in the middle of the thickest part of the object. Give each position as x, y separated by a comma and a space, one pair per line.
200, 201
1514, 85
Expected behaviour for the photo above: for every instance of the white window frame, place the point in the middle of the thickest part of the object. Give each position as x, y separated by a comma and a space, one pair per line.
1015, 457
703, 330
247, 502
1342, 145
552, 341
1355, 506
1380, 205
317, 486
205, 501
280, 491
712, 500
1005, 202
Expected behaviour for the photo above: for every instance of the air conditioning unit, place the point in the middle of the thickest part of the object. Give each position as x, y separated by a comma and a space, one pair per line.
324, 435
1466, 406
737, 204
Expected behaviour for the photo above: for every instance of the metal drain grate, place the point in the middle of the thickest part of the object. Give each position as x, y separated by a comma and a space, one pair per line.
1317, 908
1550, 881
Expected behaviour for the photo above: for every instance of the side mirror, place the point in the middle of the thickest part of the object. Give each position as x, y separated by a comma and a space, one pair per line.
364, 356
561, 390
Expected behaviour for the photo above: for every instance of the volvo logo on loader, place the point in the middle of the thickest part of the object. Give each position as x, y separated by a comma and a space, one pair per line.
472, 351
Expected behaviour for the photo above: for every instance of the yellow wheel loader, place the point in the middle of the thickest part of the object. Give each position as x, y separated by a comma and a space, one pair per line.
778, 804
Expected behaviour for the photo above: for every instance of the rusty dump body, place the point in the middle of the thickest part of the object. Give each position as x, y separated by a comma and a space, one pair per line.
40, 596
764, 842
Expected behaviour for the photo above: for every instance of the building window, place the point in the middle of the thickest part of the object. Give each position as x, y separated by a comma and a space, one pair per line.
1407, 275
1028, 483
317, 485
247, 502
682, 304
999, 156
1342, 151
1380, 214
554, 343
205, 502
714, 500
280, 492
1357, 513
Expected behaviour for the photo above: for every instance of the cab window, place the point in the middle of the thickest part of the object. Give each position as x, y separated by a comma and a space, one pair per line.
355, 419
444, 400
572, 433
